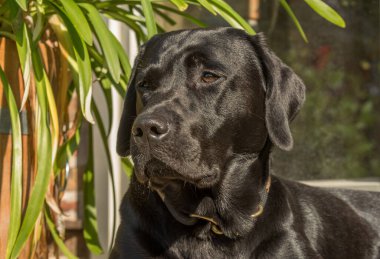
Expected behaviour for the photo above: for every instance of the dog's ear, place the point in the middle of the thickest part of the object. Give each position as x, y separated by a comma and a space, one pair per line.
129, 113
285, 94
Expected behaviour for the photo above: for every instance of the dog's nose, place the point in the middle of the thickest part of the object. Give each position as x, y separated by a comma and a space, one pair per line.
150, 127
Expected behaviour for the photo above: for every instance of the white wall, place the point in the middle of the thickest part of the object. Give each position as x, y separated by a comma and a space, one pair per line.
102, 180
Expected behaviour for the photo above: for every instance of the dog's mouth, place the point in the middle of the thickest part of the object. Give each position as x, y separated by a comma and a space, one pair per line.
158, 173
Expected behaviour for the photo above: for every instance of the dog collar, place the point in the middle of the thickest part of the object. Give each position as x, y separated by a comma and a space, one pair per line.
215, 228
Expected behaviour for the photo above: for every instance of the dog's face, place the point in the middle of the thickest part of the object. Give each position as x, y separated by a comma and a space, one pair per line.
199, 98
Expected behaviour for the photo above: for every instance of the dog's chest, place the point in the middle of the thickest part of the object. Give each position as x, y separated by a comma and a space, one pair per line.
193, 247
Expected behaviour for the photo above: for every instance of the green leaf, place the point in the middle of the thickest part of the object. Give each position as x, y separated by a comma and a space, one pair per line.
7, 35
108, 97
104, 139
23, 4
326, 12
207, 5
90, 231
127, 14
44, 162
149, 16
39, 26
131, 23
164, 16
11, 8
181, 5
76, 54
231, 21
123, 57
294, 19
54, 124
185, 15
60, 243
105, 38
127, 165
67, 149
16, 180
83, 82
98, 61
231, 16
25, 57
77, 18
81, 67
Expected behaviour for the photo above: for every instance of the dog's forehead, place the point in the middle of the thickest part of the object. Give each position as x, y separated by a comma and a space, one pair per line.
214, 42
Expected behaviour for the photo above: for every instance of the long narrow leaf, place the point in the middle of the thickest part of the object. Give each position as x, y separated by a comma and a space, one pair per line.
231, 21
164, 16
39, 26
81, 67
23, 4
16, 181
149, 16
44, 162
77, 18
184, 15
53, 117
66, 150
103, 135
106, 40
125, 13
123, 57
207, 5
129, 22
7, 35
294, 18
98, 61
108, 97
326, 12
11, 7
25, 57
90, 231
127, 165
181, 5
57, 239
234, 15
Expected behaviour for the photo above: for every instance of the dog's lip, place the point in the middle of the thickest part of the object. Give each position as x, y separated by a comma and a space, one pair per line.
154, 175
207, 180
204, 181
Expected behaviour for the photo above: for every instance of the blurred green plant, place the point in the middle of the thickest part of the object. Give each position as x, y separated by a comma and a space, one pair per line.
332, 127
93, 53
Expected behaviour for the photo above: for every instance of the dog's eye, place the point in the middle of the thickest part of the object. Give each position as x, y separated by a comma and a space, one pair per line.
144, 85
208, 77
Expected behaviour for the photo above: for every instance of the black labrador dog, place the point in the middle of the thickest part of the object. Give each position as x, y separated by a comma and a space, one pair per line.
203, 111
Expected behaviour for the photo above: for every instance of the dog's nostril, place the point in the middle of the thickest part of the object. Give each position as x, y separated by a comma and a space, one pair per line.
138, 132
155, 131
158, 130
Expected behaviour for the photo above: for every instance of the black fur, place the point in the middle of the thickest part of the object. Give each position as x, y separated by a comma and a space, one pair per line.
203, 140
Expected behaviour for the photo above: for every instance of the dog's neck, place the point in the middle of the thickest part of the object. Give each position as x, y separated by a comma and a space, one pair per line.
230, 208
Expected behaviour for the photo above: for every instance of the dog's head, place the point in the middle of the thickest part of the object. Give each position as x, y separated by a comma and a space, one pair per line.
198, 98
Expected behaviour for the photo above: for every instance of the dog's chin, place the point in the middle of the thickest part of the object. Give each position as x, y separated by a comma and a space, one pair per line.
158, 173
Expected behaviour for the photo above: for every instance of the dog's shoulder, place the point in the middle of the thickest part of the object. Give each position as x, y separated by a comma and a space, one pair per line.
330, 218
358, 200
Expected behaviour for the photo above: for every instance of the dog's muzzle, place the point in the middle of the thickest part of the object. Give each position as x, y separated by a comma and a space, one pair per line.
150, 129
